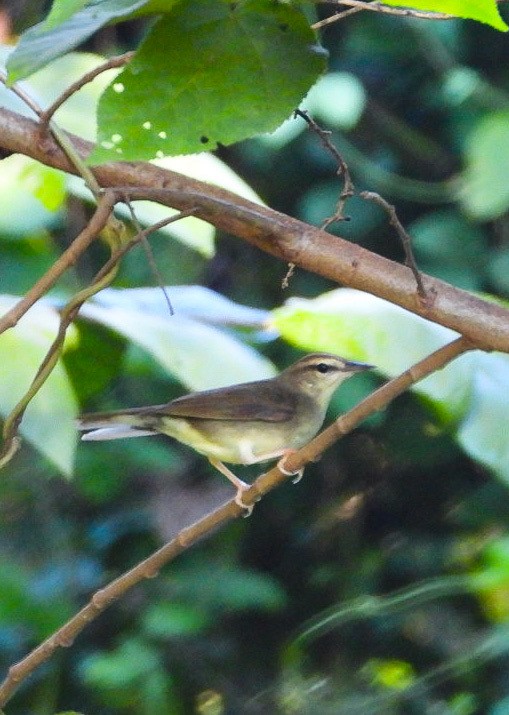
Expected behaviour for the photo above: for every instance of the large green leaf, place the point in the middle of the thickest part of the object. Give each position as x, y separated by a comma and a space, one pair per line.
481, 10
49, 420
471, 391
210, 72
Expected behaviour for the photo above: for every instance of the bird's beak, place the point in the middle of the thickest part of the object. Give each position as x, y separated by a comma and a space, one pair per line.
352, 366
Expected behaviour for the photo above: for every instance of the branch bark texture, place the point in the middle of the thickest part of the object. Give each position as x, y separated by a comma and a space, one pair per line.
484, 324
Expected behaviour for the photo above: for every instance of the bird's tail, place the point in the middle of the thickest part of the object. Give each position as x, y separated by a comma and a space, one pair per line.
115, 425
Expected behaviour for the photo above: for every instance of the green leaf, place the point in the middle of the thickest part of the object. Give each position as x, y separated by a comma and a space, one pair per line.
62, 10
48, 423
40, 44
482, 434
481, 10
229, 588
217, 73
173, 620
31, 194
486, 191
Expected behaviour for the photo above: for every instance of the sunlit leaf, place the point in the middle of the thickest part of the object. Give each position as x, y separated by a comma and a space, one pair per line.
481, 10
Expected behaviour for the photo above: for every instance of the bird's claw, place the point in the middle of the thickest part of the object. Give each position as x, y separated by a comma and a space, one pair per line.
248, 508
298, 474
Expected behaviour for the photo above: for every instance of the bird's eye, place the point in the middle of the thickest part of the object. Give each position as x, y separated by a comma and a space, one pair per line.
323, 367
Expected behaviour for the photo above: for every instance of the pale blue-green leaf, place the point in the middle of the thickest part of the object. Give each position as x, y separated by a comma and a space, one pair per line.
199, 355
39, 45
31, 195
49, 420
483, 434
361, 326
196, 302
485, 194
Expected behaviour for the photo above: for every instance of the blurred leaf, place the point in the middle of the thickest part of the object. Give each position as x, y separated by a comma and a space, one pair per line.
199, 355
485, 194
19, 598
338, 99
30, 196
173, 620
41, 44
498, 269
49, 420
232, 589
209, 84
450, 247
481, 10
482, 433
393, 674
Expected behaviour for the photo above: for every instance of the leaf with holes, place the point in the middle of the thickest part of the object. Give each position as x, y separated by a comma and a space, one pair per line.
210, 72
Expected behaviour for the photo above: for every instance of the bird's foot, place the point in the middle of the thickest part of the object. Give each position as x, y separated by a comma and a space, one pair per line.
248, 508
281, 466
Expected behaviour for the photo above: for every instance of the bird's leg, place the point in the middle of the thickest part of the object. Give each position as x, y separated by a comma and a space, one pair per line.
241, 486
281, 466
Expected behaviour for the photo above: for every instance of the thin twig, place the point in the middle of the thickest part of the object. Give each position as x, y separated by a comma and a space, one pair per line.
379, 7
112, 63
342, 170
150, 567
404, 236
149, 254
65, 261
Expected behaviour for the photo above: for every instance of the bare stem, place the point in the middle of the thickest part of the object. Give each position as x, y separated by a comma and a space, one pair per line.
118, 61
403, 235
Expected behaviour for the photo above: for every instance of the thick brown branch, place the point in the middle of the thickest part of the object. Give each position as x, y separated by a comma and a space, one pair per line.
485, 324
150, 567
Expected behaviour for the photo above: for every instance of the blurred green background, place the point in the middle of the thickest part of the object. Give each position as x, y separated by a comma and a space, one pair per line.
265, 616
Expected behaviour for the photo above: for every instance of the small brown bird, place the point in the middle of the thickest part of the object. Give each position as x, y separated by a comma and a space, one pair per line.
242, 424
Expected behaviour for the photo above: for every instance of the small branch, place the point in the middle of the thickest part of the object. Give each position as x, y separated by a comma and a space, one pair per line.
149, 254
65, 261
342, 170
359, 5
150, 567
119, 61
404, 236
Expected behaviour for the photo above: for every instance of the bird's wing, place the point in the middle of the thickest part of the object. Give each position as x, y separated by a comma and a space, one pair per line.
253, 401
